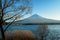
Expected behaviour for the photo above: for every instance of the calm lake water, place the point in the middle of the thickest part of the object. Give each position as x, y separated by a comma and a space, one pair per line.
33, 28
53, 29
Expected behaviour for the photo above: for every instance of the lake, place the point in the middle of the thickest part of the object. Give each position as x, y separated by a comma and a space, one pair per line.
54, 30
32, 28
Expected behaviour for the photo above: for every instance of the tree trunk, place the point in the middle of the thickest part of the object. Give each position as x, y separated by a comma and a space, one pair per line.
1, 21
2, 32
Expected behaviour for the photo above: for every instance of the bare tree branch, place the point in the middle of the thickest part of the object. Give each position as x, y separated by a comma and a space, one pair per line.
10, 24
14, 15
20, 10
11, 6
8, 4
16, 9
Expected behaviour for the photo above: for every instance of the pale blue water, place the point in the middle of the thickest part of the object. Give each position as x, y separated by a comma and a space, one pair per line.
33, 28
54, 30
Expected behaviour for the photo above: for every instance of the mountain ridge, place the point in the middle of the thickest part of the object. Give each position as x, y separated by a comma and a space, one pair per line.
37, 19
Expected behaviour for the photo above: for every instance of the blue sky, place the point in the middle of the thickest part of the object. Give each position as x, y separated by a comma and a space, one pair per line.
47, 8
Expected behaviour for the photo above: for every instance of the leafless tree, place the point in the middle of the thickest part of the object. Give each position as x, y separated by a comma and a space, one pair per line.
11, 10
42, 31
